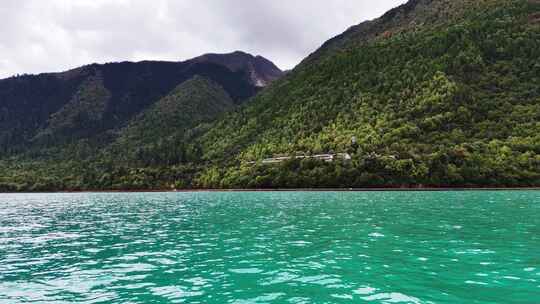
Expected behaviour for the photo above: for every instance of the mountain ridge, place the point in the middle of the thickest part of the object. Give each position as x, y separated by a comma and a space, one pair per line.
223, 59
32, 105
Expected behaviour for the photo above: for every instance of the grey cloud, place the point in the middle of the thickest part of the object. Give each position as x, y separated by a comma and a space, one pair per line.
55, 35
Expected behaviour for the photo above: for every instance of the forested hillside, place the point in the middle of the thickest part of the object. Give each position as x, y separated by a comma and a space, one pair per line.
435, 92
53, 126
159, 135
51, 109
438, 93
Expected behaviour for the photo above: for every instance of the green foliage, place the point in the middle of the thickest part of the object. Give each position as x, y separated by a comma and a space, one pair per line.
84, 111
413, 99
437, 93
159, 135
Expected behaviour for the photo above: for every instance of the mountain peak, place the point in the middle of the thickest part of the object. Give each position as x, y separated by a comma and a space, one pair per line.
259, 70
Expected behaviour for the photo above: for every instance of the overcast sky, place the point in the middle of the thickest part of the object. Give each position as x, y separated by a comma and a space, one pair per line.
55, 35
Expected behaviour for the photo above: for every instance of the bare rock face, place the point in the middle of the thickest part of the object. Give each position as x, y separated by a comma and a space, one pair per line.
259, 70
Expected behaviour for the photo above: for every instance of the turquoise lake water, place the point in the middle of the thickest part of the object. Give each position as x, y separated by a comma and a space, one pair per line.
271, 247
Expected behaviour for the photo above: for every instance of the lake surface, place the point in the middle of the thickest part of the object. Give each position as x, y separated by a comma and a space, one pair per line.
271, 247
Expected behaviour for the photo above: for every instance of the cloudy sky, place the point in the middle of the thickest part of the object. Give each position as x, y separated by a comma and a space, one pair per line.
55, 35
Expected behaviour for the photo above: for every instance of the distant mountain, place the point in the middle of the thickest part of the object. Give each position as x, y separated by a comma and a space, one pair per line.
259, 70
91, 100
433, 93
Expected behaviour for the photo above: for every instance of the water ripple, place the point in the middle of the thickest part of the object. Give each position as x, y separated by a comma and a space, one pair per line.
377, 247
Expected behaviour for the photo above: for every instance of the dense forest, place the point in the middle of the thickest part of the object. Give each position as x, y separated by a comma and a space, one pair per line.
434, 93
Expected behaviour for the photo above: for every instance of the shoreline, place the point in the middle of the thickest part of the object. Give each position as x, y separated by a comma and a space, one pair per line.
410, 189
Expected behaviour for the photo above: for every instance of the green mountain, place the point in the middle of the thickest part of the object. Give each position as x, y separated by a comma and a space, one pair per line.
52, 126
95, 100
433, 93
439, 93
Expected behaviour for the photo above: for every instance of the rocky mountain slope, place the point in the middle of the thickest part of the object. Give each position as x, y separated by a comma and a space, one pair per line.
259, 70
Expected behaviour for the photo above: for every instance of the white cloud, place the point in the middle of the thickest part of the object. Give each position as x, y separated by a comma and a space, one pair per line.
55, 35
